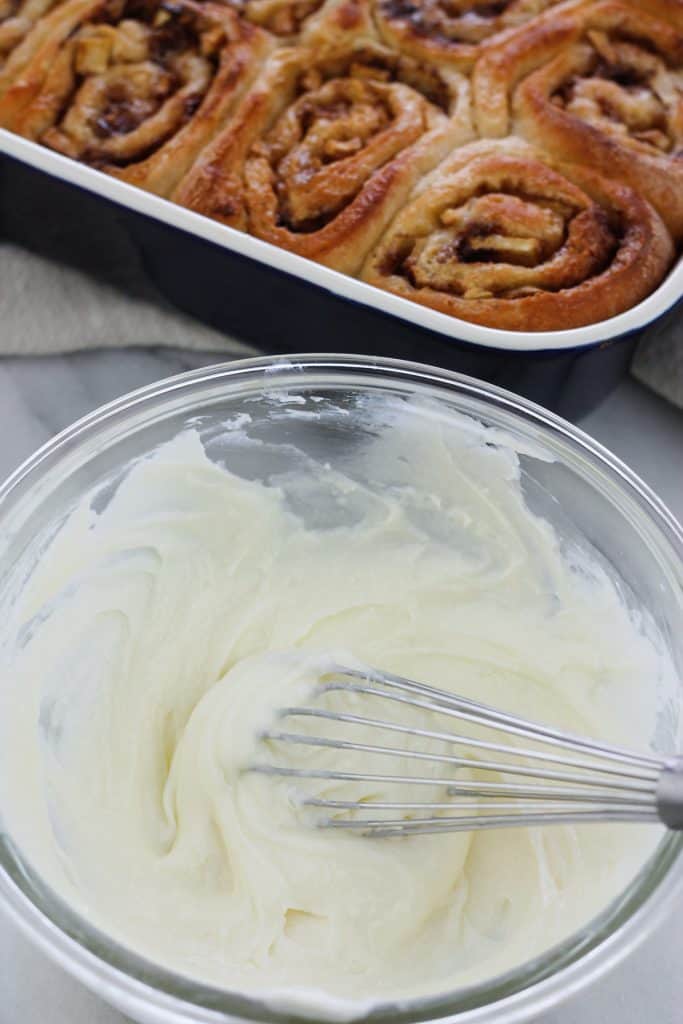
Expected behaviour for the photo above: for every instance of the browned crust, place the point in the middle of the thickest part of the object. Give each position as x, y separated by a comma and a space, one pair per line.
501, 68
337, 23
229, 186
16, 27
403, 33
25, 71
506, 62
215, 186
642, 258
240, 64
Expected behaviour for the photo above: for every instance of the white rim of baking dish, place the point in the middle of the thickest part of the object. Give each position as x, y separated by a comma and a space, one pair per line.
645, 312
137, 986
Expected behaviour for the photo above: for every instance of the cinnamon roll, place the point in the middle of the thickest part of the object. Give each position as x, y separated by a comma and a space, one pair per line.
499, 236
600, 85
323, 151
134, 87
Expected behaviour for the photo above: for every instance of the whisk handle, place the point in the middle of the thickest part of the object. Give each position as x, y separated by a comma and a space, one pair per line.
670, 794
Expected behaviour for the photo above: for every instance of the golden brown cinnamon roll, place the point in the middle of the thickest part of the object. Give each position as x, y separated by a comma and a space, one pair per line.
134, 87
500, 237
323, 151
600, 85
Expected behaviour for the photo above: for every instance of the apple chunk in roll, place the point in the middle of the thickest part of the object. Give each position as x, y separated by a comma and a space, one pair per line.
600, 85
326, 147
284, 18
133, 87
500, 237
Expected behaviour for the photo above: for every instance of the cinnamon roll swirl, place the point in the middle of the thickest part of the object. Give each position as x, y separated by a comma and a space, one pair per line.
601, 85
134, 87
323, 152
31, 47
453, 31
498, 236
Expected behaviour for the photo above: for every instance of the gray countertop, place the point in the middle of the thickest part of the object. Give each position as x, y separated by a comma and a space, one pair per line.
40, 396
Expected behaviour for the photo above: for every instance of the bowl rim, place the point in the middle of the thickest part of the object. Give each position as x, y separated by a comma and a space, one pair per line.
616, 328
159, 994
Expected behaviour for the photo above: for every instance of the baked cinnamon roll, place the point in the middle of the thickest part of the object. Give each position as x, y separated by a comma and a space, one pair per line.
498, 236
134, 87
324, 151
600, 85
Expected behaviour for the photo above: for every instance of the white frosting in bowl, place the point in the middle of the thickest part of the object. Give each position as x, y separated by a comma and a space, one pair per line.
160, 633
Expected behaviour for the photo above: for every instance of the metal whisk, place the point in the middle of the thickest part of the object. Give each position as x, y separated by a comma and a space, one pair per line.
607, 784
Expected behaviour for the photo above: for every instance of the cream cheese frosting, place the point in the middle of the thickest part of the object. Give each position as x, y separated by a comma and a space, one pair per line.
165, 626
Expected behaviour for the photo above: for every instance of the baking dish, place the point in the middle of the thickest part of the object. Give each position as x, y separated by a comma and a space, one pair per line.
582, 487
221, 276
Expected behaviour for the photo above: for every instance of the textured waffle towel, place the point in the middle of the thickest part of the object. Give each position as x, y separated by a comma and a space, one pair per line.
50, 307
73, 279
659, 358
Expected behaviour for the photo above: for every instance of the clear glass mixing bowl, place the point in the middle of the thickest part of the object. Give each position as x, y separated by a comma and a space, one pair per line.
583, 490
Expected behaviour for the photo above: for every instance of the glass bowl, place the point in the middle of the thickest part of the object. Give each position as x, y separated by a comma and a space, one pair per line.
575, 483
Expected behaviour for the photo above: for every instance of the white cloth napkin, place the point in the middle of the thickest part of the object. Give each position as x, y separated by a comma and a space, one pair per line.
71, 278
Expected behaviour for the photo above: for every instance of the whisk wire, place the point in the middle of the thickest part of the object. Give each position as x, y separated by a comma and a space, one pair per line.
607, 783
456, 761
427, 826
455, 738
481, 714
